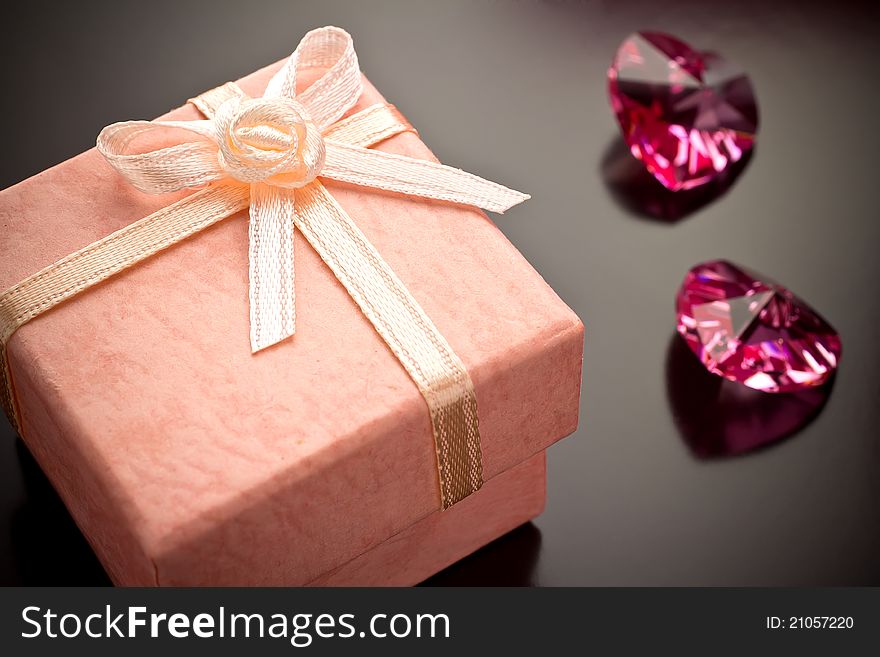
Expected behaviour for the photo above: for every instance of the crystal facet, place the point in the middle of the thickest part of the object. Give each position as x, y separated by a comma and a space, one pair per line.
688, 116
748, 329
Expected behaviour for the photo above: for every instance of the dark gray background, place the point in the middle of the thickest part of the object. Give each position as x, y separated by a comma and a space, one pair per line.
516, 91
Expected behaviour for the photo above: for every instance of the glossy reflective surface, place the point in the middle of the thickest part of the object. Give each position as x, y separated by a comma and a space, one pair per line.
650, 490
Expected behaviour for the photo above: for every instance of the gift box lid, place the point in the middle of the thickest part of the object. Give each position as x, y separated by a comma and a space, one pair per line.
184, 458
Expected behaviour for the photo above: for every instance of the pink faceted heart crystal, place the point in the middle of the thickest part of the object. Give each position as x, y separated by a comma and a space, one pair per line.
688, 116
748, 329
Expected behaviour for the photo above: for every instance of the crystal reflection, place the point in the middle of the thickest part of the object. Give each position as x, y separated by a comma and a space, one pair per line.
719, 418
639, 193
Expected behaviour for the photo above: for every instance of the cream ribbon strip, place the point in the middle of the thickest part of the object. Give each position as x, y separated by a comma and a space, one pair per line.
268, 154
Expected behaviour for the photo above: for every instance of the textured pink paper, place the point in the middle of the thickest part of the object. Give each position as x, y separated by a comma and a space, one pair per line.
187, 460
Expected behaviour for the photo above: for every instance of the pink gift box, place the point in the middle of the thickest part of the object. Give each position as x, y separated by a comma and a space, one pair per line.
186, 460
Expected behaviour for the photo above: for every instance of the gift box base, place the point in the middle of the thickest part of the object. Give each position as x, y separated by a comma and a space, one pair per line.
433, 543
444, 537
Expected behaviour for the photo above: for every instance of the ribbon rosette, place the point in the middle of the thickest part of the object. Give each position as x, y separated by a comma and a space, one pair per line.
270, 154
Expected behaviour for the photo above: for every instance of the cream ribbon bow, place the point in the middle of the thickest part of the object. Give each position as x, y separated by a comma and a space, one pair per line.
275, 144
269, 154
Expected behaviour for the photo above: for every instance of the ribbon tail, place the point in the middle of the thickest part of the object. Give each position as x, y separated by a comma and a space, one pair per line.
270, 265
407, 175
415, 341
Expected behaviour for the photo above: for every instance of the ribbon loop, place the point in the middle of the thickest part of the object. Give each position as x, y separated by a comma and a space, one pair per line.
165, 168
337, 90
